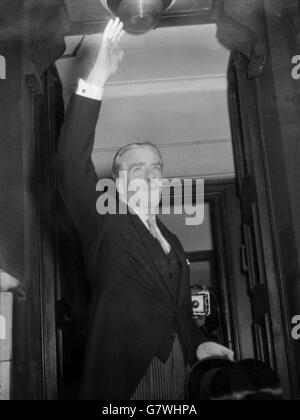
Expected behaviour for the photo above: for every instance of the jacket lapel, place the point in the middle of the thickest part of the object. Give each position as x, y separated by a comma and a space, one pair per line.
184, 277
143, 231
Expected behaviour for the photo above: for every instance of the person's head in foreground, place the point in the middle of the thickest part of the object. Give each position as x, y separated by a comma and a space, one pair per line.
137, 171
220, 379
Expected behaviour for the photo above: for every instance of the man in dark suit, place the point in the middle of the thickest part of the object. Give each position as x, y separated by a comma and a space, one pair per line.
141, 335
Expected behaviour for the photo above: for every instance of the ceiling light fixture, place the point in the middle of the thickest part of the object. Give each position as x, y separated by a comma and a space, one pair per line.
138, 16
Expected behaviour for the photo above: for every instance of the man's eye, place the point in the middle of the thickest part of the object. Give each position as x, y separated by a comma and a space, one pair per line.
137, 169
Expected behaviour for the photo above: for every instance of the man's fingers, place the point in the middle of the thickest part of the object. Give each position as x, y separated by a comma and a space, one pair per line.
114, 32
107, 30
117, 35
211, 349
121, 56
114, 28
229, 354
120, 36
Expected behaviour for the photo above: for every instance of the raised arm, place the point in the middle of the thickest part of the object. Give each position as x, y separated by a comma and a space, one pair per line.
76, 172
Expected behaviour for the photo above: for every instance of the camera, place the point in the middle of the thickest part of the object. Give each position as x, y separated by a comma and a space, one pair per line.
200, 302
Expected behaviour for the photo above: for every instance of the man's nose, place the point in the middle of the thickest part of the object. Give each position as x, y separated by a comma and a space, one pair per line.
149, 175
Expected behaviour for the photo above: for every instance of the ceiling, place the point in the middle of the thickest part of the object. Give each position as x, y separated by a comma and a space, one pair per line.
160, 54
90, 17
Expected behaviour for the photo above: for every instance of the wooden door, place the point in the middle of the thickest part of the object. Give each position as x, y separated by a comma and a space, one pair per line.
261, 262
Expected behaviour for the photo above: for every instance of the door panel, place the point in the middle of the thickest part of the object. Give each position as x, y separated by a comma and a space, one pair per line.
260, 263
214, 251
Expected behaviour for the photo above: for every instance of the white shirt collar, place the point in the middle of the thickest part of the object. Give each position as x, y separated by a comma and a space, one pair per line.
143, 216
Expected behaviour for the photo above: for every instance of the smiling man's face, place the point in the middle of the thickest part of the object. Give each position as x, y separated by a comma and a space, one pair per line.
143, 163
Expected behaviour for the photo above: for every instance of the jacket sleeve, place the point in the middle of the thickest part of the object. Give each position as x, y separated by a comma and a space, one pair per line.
76, 174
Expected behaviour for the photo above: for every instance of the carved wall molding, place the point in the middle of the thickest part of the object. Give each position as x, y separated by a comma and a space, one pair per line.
154, 87
99, 150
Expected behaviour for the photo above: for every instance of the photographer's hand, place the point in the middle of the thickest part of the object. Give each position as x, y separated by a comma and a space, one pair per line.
110, 55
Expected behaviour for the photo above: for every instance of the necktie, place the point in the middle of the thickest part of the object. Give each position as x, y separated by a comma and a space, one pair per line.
151, 221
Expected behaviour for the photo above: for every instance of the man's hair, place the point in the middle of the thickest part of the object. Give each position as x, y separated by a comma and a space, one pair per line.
117, 162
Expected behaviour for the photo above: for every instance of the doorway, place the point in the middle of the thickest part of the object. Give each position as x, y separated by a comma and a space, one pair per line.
214, 251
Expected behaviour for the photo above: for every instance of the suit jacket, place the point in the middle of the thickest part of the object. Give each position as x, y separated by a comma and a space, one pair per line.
132, 308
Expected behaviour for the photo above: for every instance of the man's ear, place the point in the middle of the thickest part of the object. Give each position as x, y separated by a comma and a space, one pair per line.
118, 184
121, 188
121, 183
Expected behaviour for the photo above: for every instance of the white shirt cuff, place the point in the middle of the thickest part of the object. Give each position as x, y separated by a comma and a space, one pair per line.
90, 91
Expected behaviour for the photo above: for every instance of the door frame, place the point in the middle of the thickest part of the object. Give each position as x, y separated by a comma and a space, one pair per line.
253, 178
226, 219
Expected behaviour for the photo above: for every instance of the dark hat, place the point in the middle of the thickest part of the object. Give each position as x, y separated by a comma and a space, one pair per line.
220, 379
